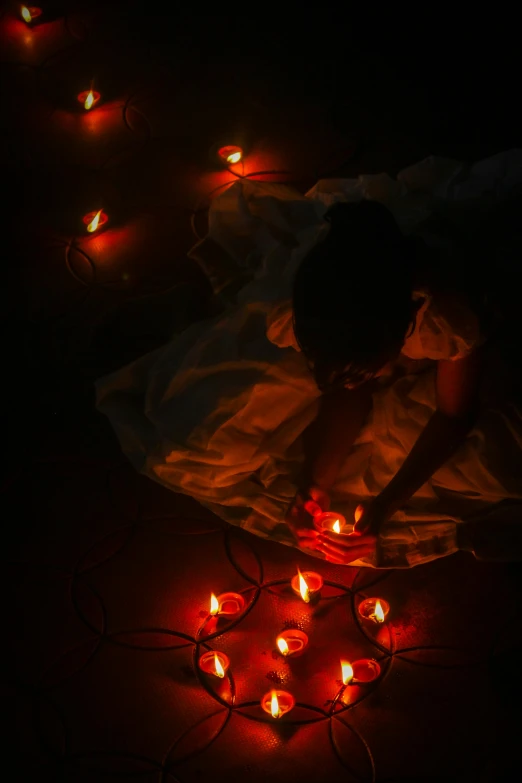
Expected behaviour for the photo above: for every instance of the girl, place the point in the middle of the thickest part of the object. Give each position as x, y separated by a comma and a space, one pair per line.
333, 316
353, 322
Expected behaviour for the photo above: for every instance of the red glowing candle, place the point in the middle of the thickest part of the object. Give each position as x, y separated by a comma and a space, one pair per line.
307, 584
95, 220
89, 98
227, 604
277, 703
215, 663
360, 672
331, 520
374, 609
230, 154
292, 643
30, 13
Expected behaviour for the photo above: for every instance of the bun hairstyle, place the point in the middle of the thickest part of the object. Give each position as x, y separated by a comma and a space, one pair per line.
352, 297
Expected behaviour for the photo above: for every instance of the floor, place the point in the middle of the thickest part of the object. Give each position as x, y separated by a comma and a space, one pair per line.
109, 576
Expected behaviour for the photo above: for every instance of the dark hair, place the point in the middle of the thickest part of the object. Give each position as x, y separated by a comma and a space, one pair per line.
352, 297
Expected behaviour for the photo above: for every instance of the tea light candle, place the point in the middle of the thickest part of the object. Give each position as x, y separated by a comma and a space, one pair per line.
374, 609
215, 663
227, 604
95, 220
292, 643
331, 520
89, 98
277, 703
30, 13
230, 154
307, 584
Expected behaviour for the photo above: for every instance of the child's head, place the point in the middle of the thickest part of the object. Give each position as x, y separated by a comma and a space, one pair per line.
352, 295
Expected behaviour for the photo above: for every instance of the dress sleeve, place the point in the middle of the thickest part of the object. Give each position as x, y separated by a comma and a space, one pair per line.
445, 328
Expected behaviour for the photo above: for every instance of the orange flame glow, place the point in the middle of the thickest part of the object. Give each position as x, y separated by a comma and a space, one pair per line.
220, 672
283, 647
26, 14
336, 526
358, 513
214, 604
274, 706
89, 100
303, 588
93, 225
347, 672
378, 614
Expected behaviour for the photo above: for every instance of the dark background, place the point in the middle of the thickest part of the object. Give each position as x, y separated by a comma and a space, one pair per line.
93, 550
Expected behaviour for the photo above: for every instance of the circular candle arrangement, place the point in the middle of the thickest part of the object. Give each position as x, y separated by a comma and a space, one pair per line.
291, 643
374, 610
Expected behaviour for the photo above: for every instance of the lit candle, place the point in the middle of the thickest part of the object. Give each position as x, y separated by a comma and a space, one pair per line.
374, 609
30, 13
215, 663
292, 643
230, 154
359, 672
307, 585
89, 98
227, 604
95, 220
331, 520
277, 703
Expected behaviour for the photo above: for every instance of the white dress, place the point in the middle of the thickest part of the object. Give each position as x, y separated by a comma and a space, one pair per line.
218, 412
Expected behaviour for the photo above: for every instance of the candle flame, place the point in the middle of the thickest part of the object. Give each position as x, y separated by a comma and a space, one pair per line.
379, 613
26, 14
336, 526
274, 706
234, 157
214, 604
358, 513
217, 666
347, 672
93, 225
89, 100
303, 588
283, 647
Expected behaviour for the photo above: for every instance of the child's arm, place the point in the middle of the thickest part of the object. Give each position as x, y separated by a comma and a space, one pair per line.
457, 387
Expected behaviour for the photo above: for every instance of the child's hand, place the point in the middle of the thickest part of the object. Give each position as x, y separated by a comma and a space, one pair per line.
301, 514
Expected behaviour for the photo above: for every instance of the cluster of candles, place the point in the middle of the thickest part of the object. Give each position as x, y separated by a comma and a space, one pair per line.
228, 155
293, 642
